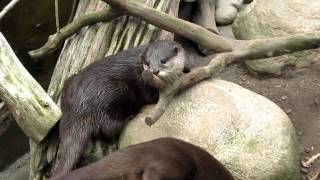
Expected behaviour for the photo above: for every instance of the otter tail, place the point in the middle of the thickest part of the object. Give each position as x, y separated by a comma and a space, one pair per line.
73, 138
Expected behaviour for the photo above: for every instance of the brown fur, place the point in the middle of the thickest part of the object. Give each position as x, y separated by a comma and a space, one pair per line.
160, 159
100, 99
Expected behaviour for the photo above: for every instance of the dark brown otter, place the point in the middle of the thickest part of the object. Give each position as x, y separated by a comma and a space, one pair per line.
160, 159
100, 99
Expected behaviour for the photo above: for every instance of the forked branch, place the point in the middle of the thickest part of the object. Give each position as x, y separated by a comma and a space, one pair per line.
55, 40
252, 50
187, 29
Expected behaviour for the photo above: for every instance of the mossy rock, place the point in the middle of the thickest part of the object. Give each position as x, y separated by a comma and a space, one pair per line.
273, 18
248, 133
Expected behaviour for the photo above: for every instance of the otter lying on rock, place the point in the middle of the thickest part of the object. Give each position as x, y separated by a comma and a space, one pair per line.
160, 159
101, 98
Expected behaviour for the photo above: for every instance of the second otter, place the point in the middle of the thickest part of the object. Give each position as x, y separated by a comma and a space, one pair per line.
102, 96
159, 159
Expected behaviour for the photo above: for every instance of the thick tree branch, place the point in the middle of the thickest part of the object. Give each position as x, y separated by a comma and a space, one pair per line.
264, 48
33, 109
192, 31
246, 50
73, 10
55, 40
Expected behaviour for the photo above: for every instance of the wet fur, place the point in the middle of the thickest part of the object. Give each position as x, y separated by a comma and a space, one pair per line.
160, 159
101, 98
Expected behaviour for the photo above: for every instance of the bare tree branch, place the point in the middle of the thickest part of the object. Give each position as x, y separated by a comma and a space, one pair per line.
8, 7
246, 50
55, 40
192, 31
56, 12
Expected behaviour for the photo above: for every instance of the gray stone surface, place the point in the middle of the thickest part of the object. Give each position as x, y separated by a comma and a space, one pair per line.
19, 170
248, 133
272, 18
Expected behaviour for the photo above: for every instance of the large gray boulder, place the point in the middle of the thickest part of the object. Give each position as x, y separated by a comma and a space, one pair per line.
248, 133
271, 18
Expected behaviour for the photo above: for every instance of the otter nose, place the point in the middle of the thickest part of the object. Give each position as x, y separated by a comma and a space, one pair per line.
155, 71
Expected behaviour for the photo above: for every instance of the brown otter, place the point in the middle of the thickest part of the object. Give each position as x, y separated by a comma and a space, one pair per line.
100, 99
160, 159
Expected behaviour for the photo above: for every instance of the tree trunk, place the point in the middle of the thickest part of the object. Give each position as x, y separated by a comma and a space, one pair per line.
33, 109
89, 44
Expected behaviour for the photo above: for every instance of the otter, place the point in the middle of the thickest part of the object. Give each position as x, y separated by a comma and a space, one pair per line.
160, 159
102, 97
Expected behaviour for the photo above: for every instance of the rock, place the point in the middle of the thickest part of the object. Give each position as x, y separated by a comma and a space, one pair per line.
19, 170
272, 18
248, 133
227, 10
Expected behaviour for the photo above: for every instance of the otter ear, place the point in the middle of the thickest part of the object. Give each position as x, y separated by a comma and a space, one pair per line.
176, 48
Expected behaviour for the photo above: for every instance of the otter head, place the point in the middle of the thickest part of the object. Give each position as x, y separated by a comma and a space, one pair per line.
165, 59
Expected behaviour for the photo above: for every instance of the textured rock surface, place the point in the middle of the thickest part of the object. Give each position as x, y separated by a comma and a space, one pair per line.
19, 170
252, 136
273, 18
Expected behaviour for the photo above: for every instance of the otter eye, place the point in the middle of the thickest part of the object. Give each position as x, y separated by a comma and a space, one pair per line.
164, 60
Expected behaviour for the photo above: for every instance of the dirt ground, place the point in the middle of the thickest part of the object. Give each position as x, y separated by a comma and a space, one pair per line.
298, 94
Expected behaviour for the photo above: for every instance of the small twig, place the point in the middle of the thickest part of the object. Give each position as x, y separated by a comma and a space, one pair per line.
55, 40
56, 7
311, 160
73, 11
8, 7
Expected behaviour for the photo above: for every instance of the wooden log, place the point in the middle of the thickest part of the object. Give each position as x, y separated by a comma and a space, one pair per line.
33, 109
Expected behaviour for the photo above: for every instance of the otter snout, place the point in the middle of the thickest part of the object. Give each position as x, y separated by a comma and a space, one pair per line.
155, 71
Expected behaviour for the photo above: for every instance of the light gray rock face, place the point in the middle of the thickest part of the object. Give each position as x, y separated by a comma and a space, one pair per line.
272, 18
248, 133
19, 170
